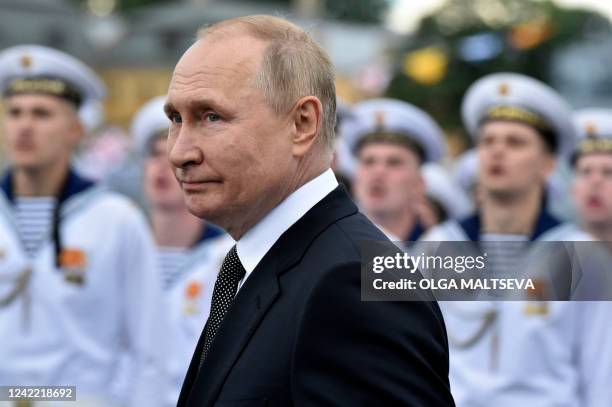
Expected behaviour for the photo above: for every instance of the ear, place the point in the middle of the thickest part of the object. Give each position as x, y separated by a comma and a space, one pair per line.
549, 163
420, 183
307, 117
77, 131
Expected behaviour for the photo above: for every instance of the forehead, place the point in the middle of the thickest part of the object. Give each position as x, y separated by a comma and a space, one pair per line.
216, 65
386, 149
36, 100
596, 159
507, 127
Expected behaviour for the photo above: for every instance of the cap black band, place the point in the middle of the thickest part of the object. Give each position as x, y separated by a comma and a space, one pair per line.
46, 86
592, 145
532, 119
392, 138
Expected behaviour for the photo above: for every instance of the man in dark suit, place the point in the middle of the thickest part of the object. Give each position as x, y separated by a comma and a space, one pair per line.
252, 106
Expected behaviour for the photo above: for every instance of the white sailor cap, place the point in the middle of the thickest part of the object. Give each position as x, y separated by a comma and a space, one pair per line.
511, 96
148, 122
594, 130
38, 69
345, 161
440, 186
343, 111
397, 119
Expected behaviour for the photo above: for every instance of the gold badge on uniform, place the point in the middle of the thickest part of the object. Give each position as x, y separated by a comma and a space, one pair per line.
538, 305
192, 292
591, 129
25, 61
73, 262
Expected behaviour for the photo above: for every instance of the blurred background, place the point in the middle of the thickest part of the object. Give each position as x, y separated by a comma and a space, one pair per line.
426, 52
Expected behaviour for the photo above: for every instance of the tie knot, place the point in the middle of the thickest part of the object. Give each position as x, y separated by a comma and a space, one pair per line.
232, 268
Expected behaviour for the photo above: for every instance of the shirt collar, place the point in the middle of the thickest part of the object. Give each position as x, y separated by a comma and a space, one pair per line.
255, 243
73, 185
545, 221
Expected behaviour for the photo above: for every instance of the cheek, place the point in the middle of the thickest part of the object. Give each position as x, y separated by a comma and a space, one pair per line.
53, 137
607, 193
525, 164
148, 173
579, 191
360, 183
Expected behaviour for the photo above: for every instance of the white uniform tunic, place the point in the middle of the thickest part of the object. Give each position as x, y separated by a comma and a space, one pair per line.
521, 353
188, 297
72, 325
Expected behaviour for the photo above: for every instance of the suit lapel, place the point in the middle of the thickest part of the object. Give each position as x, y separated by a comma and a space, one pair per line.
255, 298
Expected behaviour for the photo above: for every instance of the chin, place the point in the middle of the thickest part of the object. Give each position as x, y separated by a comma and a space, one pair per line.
206, 212
26, 165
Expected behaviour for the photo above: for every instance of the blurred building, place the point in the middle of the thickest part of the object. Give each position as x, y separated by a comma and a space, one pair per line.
135, 52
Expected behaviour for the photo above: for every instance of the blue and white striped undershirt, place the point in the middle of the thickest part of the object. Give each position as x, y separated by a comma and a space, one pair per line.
504, 253
34, 217
172, 261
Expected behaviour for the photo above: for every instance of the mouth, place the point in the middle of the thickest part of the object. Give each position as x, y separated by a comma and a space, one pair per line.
496, 170
194, 186
377, 192
24, 145
161, 183
594, 202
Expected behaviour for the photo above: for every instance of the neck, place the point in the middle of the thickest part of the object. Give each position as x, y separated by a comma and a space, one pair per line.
399, 224
45, 181
256, 213
511, 213
176, 228
600, 231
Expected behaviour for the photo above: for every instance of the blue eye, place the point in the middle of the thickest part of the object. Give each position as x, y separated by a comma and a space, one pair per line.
212, 117
175, 118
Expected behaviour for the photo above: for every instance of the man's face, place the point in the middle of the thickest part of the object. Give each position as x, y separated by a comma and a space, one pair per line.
40, 130
593, 188
388, 179
512, 158
161, 188
230, 151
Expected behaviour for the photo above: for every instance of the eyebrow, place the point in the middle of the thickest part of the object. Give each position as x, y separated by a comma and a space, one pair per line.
168, 108
192, 104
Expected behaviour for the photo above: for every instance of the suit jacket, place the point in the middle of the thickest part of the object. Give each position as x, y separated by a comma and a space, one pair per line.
299, 334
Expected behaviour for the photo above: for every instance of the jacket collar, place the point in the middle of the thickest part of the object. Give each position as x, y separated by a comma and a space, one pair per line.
256, 296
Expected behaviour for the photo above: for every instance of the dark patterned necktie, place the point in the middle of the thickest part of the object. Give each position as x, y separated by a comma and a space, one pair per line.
224, 292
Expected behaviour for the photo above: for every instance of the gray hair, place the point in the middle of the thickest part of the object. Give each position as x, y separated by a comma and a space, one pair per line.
293, 66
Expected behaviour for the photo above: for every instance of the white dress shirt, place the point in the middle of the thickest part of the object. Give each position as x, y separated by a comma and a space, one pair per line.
255, 243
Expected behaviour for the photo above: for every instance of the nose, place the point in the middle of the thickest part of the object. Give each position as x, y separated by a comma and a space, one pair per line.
597, 179
183, 150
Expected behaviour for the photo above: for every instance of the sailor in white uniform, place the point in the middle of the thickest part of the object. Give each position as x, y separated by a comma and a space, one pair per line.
520, 353
190, 251
592, 184
78, 292
390, 140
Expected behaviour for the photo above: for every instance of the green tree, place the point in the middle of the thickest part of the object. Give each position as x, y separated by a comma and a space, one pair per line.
526, 33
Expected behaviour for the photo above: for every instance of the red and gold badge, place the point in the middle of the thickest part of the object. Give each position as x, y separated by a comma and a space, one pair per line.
73, 262
192, 293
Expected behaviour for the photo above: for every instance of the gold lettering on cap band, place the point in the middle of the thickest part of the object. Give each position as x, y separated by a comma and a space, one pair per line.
51, 86
517, 114
48, 86
595, 145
